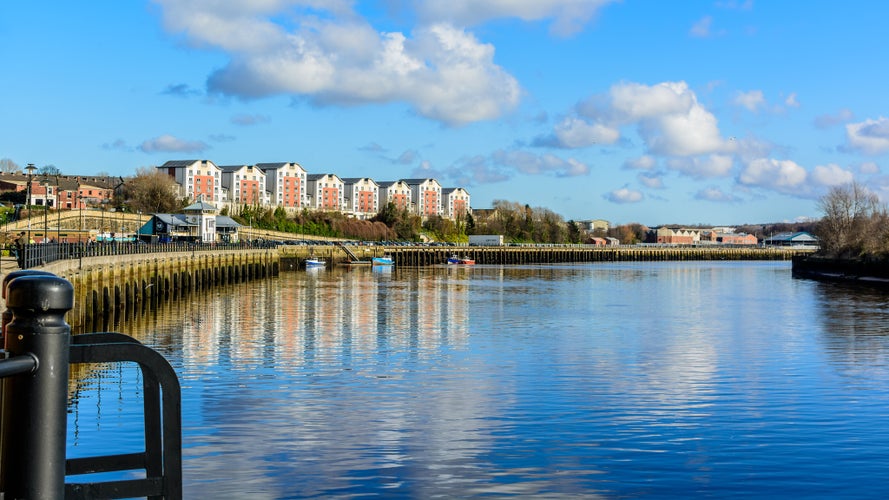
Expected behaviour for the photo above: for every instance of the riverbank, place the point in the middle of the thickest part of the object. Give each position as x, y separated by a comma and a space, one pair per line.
871, 273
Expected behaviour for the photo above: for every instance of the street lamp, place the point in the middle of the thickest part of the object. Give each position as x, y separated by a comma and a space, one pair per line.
58, 205
45, 184
30, 168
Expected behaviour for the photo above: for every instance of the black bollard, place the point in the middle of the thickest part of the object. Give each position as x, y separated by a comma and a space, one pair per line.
7, 314
34, 419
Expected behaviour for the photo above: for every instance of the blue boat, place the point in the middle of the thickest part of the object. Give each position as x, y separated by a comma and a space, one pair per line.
382, 261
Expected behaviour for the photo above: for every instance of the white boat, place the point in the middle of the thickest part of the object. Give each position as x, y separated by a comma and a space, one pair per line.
314, 262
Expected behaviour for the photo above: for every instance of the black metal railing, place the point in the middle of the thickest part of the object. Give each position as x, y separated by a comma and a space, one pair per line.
39, 254
38, 350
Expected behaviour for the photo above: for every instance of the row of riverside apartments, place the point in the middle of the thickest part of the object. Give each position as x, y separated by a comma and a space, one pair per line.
289, 186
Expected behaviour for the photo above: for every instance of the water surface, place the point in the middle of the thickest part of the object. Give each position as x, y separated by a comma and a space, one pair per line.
609, 379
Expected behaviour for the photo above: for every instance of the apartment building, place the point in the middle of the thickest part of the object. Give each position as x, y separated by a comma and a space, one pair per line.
395, 192
197, 179
286, 184
426, 196
361, 196
325, 191
455, 203
245, 185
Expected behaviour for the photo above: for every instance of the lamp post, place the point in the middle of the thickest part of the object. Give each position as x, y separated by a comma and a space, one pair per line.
58, 212
30, 168
45, 184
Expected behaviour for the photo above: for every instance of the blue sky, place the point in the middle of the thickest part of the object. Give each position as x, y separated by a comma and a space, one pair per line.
651, 111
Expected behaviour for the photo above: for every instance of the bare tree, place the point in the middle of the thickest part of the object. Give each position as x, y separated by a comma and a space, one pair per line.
152, 191
49, 170
854, 222
8, 166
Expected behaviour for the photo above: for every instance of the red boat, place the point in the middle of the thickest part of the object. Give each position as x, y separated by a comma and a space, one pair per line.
464, 261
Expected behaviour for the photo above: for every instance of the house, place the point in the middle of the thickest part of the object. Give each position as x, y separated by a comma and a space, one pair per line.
361, 196
594, 225
455, 203
736, 239
286, 184
198, 222
675, 236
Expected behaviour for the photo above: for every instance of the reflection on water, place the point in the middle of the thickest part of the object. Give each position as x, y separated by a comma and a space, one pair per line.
606, 379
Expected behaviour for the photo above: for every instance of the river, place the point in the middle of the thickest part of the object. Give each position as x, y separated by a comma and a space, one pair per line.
612, 380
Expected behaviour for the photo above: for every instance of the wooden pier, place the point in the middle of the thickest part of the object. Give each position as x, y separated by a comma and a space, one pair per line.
427, 256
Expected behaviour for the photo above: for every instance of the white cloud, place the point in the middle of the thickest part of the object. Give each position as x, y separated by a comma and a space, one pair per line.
171, 144
752, 100
667, 115
624, 195
442, 72
703, 167
869, 136
530, 163
869, 167
651, 180
569, 16
701, 29
791, 101
670, 119
783, 176
644, 162
577, 133
831, 175
713, 193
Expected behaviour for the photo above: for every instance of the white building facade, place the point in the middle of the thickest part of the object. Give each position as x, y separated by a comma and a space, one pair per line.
197, 179
361, 196
286, 184
325, 191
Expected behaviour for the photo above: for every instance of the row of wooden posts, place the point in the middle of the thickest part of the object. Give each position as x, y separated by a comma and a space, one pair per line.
120, 285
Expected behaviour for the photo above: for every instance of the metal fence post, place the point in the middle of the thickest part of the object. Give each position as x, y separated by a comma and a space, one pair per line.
34, 405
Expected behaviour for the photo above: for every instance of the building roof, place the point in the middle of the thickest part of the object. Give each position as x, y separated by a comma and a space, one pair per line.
232, 168
315, 177
418, 181
797, 237
200, 205
178, 163
178, 221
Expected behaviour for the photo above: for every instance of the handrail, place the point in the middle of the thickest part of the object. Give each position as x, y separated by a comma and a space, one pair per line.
33, 401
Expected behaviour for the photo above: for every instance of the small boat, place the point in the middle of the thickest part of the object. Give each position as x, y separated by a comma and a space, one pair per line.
463, 261
314, 262
383, 261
